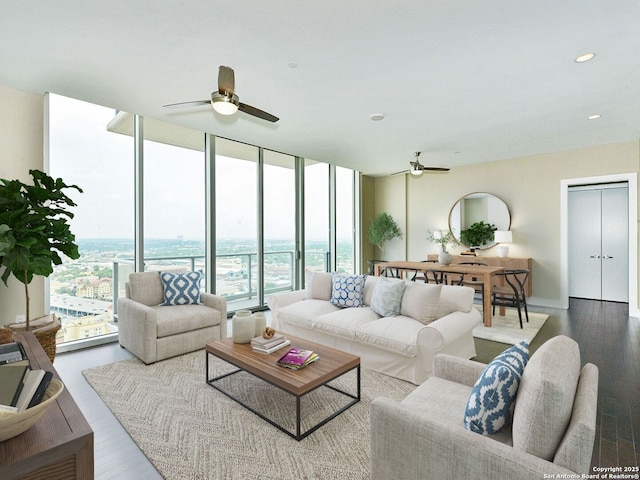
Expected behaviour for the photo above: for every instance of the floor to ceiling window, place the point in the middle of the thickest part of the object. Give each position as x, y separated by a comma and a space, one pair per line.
236, 174
316, 214
83, 152
345, 220
174, 201
279, 221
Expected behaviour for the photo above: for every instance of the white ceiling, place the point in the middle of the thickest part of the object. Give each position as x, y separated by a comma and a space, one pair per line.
463, 81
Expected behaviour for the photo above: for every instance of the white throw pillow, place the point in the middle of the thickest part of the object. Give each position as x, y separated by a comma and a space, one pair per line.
318, 285
387, 296
420, 301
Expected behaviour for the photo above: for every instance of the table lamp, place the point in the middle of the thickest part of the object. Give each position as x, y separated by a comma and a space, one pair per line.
503, 237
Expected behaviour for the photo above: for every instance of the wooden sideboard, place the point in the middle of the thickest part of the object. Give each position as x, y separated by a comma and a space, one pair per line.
509, 263
60, 445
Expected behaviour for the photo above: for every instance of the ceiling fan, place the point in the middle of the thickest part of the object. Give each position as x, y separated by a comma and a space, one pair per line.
225, 101
416, 168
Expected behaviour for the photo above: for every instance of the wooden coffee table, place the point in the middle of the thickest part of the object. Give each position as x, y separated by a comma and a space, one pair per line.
331, 365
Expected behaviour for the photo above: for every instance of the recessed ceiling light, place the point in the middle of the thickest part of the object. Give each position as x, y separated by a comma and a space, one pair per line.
376, 117
594, 117
585, 57
293, 64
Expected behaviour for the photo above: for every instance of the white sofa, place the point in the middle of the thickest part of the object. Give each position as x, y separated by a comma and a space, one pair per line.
433, 319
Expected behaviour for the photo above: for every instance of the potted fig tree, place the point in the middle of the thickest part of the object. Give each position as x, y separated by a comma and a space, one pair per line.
34, 230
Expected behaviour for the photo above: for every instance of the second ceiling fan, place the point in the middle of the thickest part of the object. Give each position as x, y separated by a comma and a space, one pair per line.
416, 168
225, 101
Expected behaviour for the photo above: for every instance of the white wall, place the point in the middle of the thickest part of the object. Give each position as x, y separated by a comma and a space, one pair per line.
21, 138
530, 186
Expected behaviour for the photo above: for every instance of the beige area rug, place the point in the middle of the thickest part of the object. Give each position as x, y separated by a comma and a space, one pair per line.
507, 329
189, 430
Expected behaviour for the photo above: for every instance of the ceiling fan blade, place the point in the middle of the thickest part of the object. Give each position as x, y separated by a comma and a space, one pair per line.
435, 169
193, 103
256, 112
226, 80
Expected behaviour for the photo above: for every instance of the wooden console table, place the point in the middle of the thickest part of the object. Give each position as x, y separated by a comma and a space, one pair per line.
60, 445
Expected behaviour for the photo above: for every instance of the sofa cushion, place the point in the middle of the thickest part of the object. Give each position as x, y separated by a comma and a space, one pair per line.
181, 288
345, 321
493, 396
302, 313
420, 301
397, 334
318, 285
369, 285
454, 298
146, 288
387, 296
347, 290
545, 398
445, 400
171, 320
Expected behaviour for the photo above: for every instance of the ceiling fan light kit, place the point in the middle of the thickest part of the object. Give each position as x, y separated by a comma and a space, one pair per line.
224, 104
415, 169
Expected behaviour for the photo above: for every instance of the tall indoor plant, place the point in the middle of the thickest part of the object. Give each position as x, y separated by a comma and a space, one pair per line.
382, 229
34, 228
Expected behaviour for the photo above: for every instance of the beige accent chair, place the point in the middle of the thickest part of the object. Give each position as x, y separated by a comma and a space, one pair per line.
153, 332
552, 431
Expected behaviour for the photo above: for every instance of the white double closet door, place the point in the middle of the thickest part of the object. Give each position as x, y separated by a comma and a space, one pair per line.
599, 242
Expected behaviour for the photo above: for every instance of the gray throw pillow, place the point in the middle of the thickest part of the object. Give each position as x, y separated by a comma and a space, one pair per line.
387, 296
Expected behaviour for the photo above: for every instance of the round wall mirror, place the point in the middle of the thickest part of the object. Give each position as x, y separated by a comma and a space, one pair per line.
476, 207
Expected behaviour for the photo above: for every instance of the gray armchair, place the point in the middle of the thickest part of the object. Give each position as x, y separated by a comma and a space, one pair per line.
153, 332
423, 436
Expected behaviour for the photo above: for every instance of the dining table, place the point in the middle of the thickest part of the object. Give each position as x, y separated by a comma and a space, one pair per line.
481, 272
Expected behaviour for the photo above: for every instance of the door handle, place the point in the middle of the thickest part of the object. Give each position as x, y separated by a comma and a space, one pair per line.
606, 257
594, 256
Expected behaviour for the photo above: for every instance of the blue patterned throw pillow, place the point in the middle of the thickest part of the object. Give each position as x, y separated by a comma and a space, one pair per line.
181, 288
493, 397
347, 290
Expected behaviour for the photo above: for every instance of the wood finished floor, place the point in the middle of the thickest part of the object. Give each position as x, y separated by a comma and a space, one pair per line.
604, 331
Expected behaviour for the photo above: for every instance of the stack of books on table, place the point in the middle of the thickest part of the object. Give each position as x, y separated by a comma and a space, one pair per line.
296, 358
20, 387
269, 345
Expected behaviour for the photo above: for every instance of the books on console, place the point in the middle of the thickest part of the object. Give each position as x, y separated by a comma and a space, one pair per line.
296, 358
269, 345
13, 353
20, 386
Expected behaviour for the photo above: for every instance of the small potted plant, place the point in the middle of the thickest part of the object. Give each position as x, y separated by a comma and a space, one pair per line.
478, 234
443, 239
34, 231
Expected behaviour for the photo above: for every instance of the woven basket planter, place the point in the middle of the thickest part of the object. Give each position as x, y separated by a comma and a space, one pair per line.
45, 330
